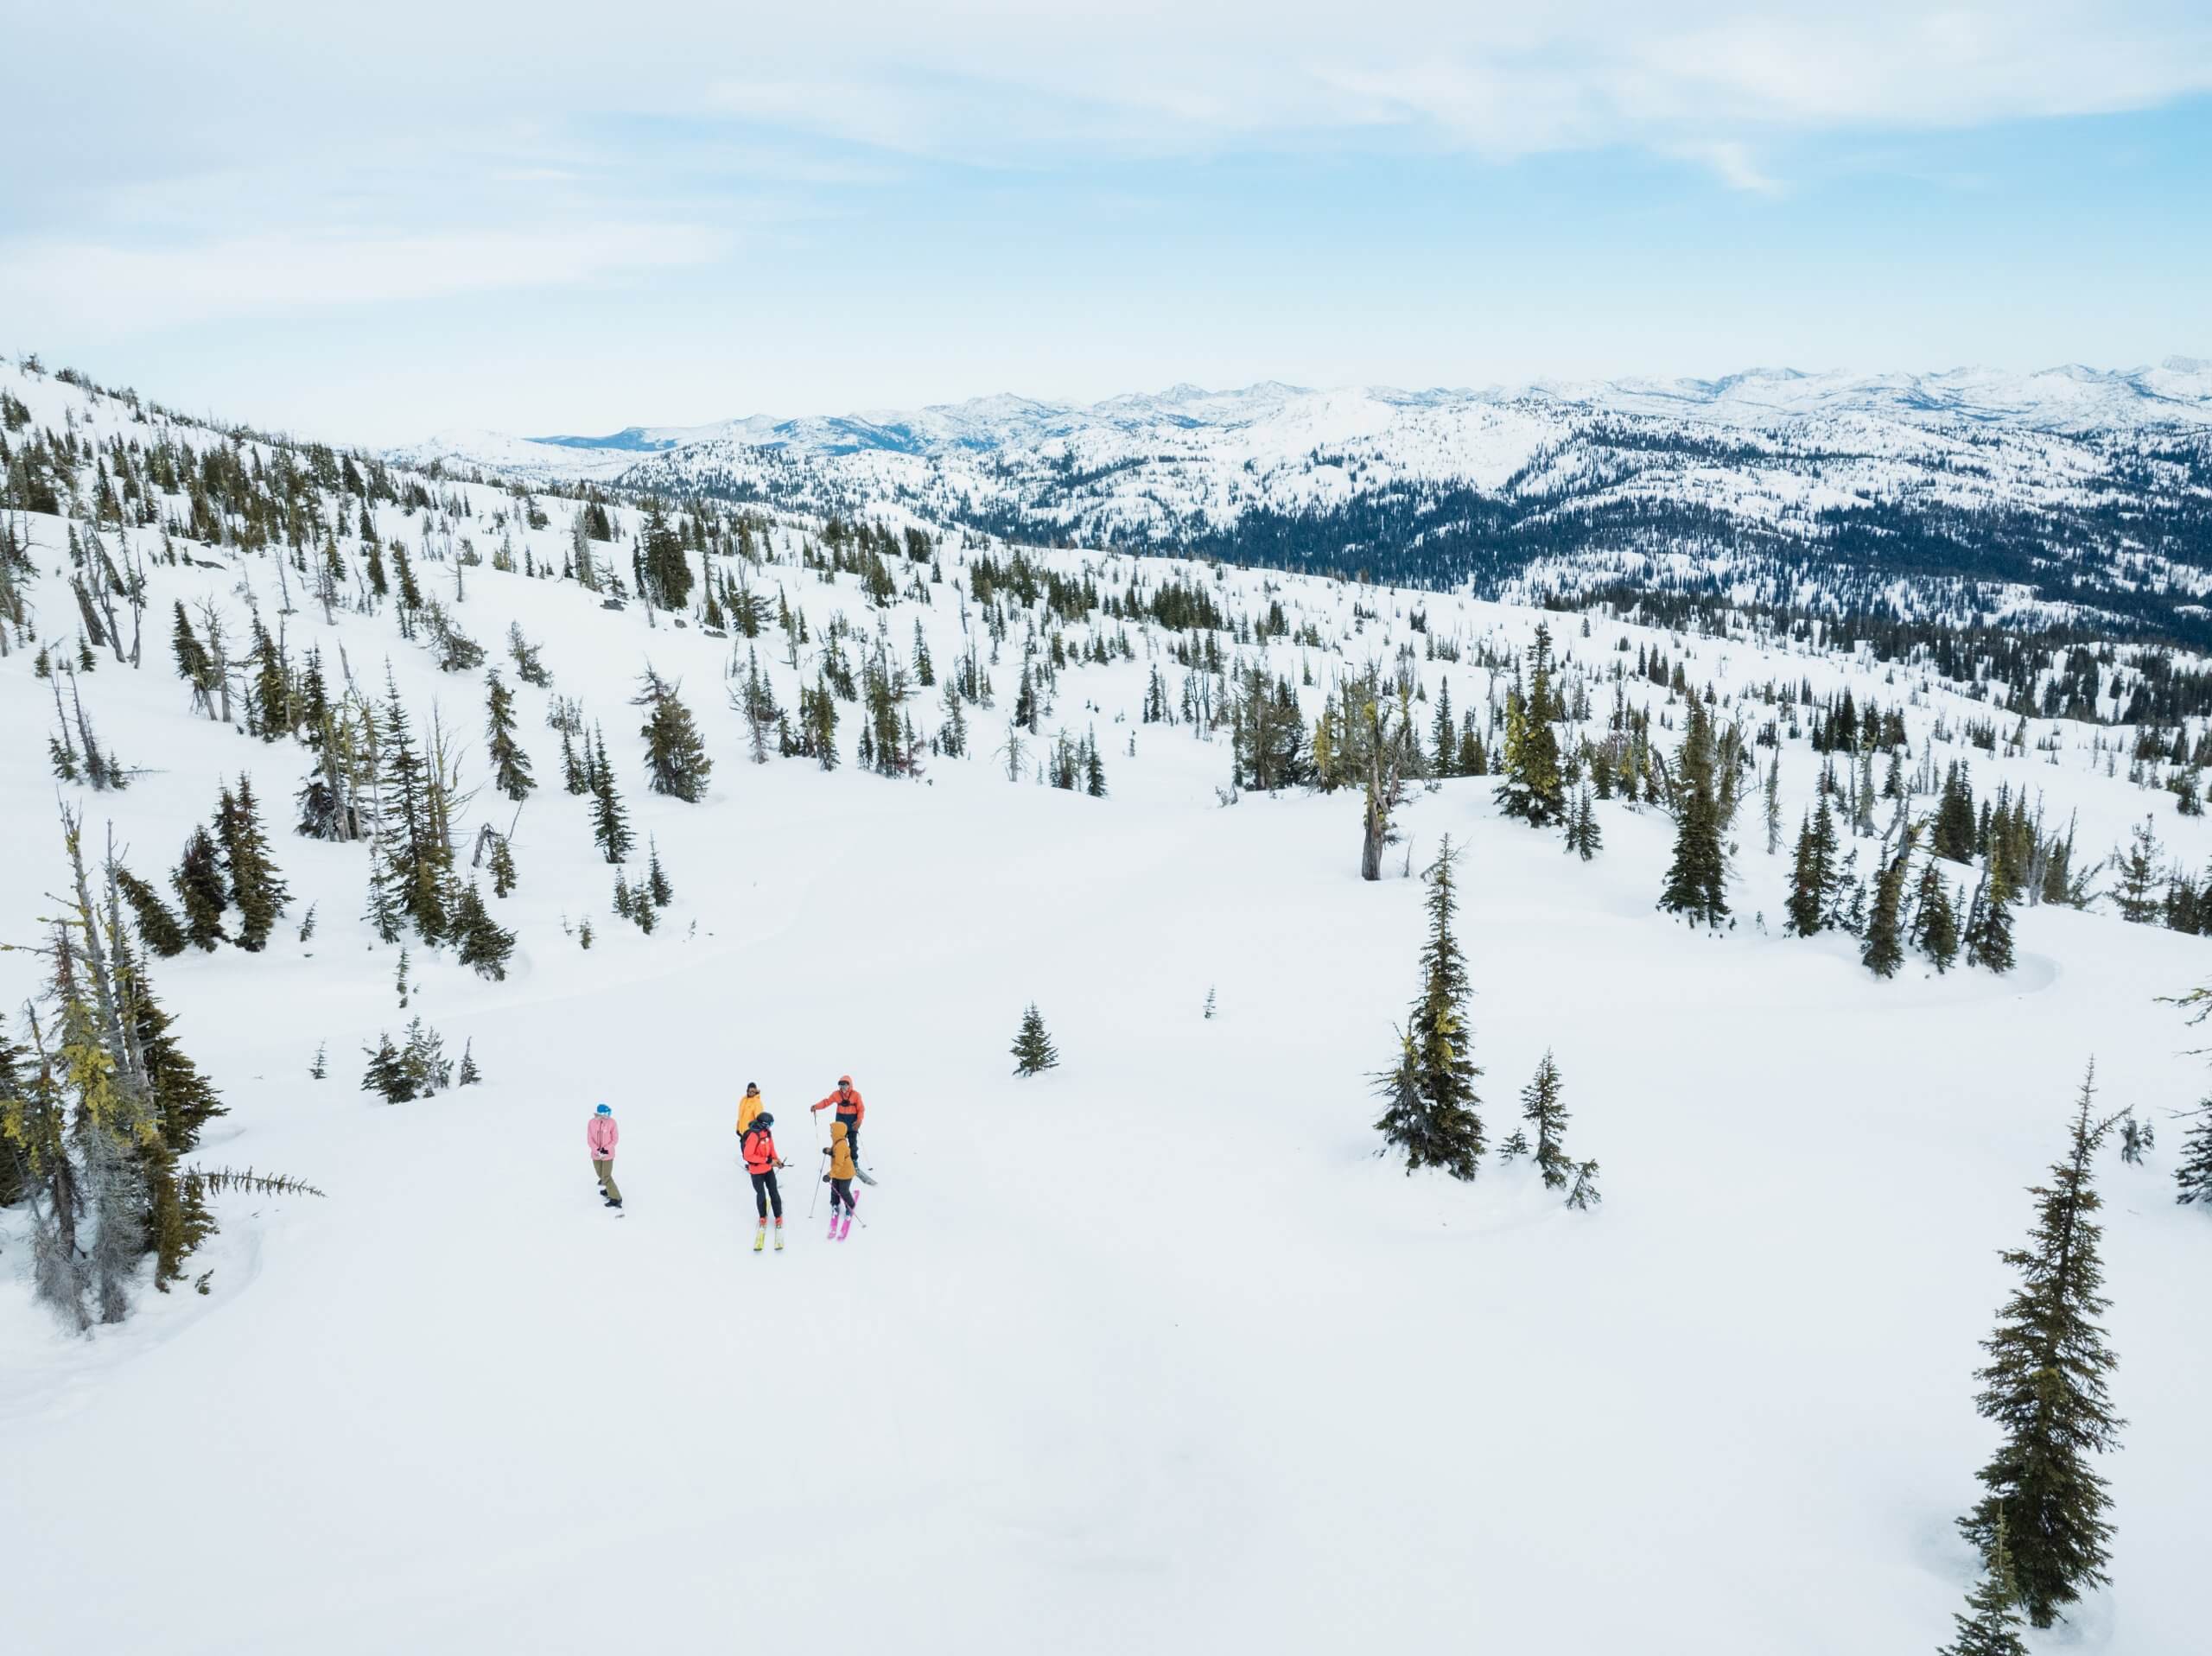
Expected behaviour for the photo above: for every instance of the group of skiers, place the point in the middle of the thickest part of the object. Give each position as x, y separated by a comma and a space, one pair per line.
757, 1143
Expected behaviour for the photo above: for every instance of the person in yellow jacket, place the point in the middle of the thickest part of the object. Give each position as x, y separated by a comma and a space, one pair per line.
750, 1105
840, 1180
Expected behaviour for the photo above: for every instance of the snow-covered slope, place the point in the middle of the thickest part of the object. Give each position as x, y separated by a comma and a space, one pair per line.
1151, 1352
2073, 494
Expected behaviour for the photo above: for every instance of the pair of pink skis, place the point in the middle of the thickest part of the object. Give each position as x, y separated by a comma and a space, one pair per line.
841, 1226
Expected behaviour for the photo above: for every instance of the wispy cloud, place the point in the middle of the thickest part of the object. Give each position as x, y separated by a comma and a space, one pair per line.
278, 272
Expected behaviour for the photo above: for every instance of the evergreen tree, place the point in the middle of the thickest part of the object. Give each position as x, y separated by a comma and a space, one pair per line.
502, 867
755, 700
1813, 876
1429, 1111
2138, 868
528, 668
202, 891
676, 754
486, 945
510, 764
387, 1075
1584, 1195
2137, 1138
1443, 735
1935, 926
2044, 1386
1584, 837
470, 1075
1515, 1147
260, 894
1698, 879
1993, 1626
157, 924
1533, 789
1989, 924
1884, 948
1033, 1051
2194, 1175
411, 855
657, 885
610, 823
1541, 1108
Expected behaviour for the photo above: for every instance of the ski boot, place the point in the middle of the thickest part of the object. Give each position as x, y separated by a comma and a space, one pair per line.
779, 1235
845, 1230
761, 1236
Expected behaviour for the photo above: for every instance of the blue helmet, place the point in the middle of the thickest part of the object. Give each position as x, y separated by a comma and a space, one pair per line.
602, 1110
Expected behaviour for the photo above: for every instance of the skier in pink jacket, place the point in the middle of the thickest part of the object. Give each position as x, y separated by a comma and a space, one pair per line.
602, 1135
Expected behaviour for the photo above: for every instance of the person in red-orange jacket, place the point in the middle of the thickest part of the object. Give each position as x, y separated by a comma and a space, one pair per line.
850, 1111
761, 1161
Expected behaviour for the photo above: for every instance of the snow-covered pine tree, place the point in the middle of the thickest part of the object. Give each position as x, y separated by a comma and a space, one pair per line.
754, 698
1697, 880
1883, 952
1584, 837
610, 823
1989, 924
411, 855
157, 924
1992, 1627
2044, 1386
202, 891
1033, 1051
386, 1075
1542, 1110
1813, 875
656, 887
1429, 1095
470, 1075
1584, 1195
1533, 789
256, 887
510, 764
1515, 1147
2194, 1175
1934, 923
528, 668
2139, 871
501, 865
2137, 1138
676, 754
485, 946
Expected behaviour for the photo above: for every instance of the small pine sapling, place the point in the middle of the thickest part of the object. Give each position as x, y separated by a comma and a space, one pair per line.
1033, 1051
1584, 1195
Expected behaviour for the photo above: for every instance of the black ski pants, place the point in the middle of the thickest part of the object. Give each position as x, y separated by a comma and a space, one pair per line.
841, 1195
764, 1192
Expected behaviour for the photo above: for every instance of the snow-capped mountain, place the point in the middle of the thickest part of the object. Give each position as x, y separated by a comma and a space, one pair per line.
1965, 493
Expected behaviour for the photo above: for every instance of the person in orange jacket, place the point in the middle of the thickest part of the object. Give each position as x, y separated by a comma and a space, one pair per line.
850, 1111
761, 1161
840, 1181
750, 1105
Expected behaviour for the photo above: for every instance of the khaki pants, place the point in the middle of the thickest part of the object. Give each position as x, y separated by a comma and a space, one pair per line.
605, 1172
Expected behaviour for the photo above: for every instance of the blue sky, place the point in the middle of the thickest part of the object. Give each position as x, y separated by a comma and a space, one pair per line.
571, 217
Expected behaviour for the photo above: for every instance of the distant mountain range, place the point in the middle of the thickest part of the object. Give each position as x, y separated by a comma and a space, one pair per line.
1969, 493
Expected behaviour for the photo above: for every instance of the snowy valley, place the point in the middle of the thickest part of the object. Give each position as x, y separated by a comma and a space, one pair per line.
1162, 1348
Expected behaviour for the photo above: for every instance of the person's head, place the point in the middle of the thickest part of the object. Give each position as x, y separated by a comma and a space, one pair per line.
836, 1132
763, 1121
844, 1083
752, 1089
602, 1110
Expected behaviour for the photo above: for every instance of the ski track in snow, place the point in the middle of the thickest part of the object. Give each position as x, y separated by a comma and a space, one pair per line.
1151, 1352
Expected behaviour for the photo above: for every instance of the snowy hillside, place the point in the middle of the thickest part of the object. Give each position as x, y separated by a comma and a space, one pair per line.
1154, 1350
2072, 494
